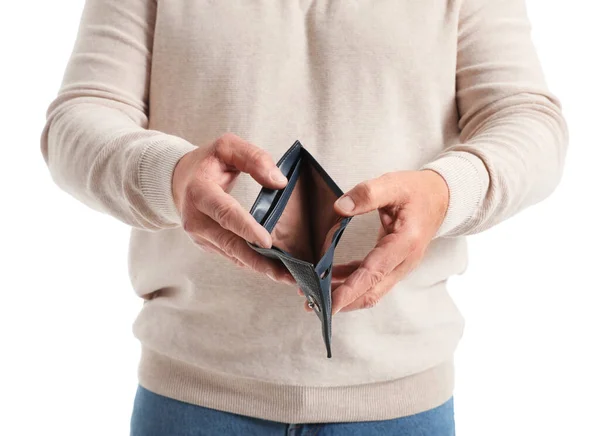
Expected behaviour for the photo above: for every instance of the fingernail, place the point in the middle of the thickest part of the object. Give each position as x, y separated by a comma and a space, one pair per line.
265, 243
346, 204
277, 176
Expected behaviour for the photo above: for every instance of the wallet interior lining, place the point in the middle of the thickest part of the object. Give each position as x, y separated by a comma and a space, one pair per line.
308, 222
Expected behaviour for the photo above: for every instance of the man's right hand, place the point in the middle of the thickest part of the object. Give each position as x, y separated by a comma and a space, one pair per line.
212, 218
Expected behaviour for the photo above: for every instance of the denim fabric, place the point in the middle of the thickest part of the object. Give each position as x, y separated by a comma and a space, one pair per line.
156, 415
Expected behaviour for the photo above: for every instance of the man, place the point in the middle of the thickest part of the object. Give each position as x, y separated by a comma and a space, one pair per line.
433, 116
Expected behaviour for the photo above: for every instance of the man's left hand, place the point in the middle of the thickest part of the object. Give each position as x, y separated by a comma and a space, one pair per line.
411, 206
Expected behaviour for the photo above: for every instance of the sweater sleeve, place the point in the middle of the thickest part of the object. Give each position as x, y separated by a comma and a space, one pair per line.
513, 137
96, 142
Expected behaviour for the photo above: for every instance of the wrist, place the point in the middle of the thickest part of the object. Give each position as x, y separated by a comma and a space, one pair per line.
156, 169
179, 180
438, 189
467, 179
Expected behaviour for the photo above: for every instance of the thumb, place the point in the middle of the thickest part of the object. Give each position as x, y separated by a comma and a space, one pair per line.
250, 159
368, 196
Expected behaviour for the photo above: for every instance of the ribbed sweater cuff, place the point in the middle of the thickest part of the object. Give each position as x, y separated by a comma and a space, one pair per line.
468, 180
156, 173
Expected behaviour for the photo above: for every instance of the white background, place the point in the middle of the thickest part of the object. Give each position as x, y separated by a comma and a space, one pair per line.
528, 364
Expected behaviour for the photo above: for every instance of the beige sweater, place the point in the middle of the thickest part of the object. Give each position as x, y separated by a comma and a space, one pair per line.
368, 87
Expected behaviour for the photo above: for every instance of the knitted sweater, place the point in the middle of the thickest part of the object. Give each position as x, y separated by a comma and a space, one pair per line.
368, 87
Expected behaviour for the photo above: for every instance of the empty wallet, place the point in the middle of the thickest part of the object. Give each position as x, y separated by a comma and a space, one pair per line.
304, 228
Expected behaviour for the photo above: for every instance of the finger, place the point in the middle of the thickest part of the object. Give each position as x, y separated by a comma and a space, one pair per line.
334, 286
208, 234
339, 273
249, 158
388, 254
209, 247
210, 199
234, 246
371, 195
374, 295
342, 271
307, 308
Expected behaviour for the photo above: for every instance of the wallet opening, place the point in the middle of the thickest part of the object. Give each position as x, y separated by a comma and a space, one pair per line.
304, 227
308, 222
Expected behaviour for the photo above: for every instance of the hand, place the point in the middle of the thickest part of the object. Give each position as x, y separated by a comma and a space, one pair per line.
212, 218
412, 206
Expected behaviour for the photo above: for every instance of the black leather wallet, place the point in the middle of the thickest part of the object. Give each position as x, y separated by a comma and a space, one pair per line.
304, 227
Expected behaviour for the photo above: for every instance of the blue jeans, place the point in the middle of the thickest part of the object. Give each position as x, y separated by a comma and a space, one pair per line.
156, 415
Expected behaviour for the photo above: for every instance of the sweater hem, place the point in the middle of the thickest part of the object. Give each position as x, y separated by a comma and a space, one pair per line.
291, 404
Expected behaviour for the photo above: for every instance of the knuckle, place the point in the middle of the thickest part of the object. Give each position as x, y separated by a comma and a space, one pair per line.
375, 276
188, 225
219, 144
255, 265
227, 243
256, 157
239, 263
229, 137
223, 213
414, 238
370, 300
223, 141
202, 246
370, 274
365, 191
244, 230
225, 138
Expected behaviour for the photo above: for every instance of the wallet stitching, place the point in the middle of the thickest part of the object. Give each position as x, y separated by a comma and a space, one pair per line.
292, 149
